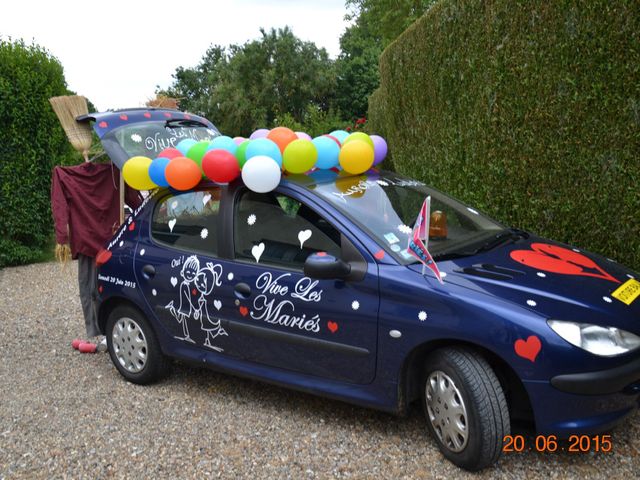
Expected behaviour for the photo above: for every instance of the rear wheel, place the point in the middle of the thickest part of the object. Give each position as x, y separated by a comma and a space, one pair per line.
133, 346
465, 407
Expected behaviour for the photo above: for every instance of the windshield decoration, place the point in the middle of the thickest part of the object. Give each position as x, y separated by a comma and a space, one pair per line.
417, 247
554, 259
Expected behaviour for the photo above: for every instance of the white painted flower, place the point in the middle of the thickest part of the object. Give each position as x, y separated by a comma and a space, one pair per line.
121, 243
443, 274
174, 204
230, 276
382, 183
142, 252
251, 219
422, 316
204, 233
153, 292
405, 229
541, 275
532, 303
355, 304
475, 212
607, 299
136, 138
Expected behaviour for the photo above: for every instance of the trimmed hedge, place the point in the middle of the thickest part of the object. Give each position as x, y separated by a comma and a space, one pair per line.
527, 110
31, 143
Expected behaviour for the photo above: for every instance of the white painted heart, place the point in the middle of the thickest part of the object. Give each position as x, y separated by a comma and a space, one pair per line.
172, 223
217, 304
257, 251
174, 281
206, 199
303, 236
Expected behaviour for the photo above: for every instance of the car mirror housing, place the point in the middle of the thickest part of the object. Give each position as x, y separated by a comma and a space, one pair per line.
323, 266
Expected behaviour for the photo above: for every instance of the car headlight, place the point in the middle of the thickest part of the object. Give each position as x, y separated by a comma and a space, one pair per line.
603, 341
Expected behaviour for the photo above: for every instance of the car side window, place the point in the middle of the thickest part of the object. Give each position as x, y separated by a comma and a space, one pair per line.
188, 221
289, 230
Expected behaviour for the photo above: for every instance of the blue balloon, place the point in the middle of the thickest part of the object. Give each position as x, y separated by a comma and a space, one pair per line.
185, 145
264, 146
156, 171
328, 152
341, 135
223, 143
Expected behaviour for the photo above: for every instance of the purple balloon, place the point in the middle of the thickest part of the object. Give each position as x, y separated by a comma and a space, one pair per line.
379, 149
238, 140
260, 133
304, 136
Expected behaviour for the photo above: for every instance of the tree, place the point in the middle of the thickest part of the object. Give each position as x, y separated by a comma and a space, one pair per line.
244, 87
31, 143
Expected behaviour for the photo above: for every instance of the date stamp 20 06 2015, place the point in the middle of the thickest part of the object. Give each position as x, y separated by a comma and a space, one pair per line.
551, 444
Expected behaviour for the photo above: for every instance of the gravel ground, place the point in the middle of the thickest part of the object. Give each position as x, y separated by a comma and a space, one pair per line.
68, 415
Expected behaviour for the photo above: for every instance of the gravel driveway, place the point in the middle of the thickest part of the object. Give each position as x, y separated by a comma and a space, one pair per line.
68, 415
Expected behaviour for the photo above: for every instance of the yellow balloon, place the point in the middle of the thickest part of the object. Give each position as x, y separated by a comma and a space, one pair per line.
356, 157
136, 173
359, 136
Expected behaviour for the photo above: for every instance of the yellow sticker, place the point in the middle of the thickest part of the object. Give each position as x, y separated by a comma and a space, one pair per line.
628, 291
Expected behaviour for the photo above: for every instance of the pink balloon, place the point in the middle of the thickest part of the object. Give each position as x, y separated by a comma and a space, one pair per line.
238, 140
260, 133
304, 136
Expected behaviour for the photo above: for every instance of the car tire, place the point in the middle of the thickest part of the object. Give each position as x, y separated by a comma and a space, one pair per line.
465, 407
133, 346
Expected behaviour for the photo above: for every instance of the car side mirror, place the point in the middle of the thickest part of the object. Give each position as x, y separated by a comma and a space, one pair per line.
323, 266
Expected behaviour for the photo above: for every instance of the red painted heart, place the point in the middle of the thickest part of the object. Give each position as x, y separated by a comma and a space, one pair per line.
187, 116
166, 114
551, 258
103, 125
124, 117
332, 326
322, 254
243, 311
194, 291
132, 227
379, 255
100, 289
528, 349
147, 115
103, 257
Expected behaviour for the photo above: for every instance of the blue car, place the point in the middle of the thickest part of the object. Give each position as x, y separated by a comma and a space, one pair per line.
311, 287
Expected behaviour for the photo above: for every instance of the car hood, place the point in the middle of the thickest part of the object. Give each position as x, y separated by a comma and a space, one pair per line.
549, 278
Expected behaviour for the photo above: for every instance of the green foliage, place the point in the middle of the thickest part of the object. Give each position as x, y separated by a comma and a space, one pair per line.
31, 143
529, 111
244, 87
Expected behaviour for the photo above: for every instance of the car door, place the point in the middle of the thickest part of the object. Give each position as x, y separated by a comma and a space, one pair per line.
179, 272
282, 318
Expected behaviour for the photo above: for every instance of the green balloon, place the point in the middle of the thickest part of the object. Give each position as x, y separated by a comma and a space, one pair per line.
241, 152
359, 136
196, 153
300, 156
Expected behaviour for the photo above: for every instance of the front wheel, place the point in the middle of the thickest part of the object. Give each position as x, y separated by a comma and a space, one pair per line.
133, 346
465, 407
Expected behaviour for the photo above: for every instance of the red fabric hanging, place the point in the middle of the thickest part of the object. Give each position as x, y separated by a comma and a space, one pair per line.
85, 203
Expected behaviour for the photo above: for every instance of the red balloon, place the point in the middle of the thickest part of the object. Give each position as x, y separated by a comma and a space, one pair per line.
182, 173
170, 153
221, 166
333, 138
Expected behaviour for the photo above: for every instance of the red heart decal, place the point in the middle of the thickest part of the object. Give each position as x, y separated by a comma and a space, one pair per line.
551, 258
322, 254
103, 125
147, 115
528, 349
187, 116
132, 227
100, 289
103, 257
166, 114
194, 291
243, 311
379, 254
332, 326
124, 117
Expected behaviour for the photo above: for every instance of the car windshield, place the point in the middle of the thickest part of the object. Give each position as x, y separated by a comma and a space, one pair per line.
386, 206
150, 138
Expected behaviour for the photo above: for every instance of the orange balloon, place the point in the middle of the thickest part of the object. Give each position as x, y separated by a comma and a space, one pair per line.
182, 173
282, 136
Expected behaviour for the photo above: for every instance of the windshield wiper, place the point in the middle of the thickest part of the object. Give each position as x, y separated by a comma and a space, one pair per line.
508, 235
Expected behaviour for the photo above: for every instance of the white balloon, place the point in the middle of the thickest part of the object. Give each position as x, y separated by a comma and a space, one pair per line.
261, 174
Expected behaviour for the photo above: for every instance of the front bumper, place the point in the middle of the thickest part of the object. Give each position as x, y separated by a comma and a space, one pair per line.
625, 378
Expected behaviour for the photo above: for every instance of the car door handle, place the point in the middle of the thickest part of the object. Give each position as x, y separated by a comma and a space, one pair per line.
242, 290
148, 271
